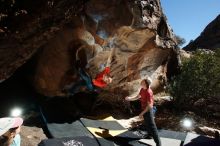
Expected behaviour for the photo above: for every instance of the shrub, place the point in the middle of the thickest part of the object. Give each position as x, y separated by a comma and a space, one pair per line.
180, 40
199, 78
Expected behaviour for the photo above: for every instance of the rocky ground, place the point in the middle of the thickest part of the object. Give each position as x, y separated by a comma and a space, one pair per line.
169, 120
31, 136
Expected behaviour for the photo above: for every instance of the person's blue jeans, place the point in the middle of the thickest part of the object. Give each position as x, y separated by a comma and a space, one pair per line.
154, 110
151, 126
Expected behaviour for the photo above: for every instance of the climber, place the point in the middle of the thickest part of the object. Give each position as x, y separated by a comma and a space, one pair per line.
103, 79
9, 131
146, 97
85, 82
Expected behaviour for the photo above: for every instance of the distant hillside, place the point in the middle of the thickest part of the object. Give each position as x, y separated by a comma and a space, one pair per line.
209, 38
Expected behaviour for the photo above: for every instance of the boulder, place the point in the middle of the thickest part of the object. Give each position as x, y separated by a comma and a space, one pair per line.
141, 48
208, 131
211, 106
144, 45
26, 26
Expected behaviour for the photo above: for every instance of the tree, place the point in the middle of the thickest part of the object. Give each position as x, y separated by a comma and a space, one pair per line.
199, 78
180, 40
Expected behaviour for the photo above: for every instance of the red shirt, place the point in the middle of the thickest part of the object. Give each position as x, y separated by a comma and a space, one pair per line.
98, 81
147, 97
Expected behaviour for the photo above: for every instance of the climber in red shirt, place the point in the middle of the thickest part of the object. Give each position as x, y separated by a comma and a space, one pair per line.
101, 80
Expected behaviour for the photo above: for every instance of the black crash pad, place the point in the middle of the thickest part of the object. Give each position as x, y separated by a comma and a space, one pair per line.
110, 125
172, 134
199, 140
68, 130
74, 141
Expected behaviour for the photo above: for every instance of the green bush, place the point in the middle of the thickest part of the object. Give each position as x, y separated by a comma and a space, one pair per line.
199, 78
180, 40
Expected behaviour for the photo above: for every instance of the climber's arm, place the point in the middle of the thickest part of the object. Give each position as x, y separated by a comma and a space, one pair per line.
133, 98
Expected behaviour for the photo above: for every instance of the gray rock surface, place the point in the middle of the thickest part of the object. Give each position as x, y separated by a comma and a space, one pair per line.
31, 136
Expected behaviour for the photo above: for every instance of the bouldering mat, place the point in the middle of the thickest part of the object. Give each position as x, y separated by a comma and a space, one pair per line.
172, 134
104, 130
103, 124
73, 141
109, 132
164, 142
74, 129
199, 140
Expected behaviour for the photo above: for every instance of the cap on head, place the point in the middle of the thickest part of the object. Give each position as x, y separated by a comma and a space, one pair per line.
8, 123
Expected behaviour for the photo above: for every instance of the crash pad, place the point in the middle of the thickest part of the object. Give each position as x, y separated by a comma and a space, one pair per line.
104, 124
199, 140
73, 141
105, 130
164, 142
172, 134
74, 129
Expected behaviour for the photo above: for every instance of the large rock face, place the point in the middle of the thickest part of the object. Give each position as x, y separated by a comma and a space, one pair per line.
209, 38
26, 26
137, 30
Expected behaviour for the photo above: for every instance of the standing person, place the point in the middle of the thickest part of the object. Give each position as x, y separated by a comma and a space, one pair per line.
9, 131
147, 100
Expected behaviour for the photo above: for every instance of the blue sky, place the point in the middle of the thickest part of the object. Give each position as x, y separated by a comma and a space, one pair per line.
188, 18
